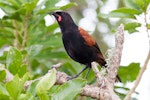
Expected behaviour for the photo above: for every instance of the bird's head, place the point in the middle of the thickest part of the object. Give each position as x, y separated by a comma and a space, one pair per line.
63, 18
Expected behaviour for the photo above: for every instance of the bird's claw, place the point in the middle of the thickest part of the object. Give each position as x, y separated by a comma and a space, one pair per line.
70, 78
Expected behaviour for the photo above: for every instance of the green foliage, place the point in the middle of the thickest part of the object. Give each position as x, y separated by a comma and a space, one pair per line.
131, 27
14, 60
2, 75
34, 47
69, 90
46, 83
3, 92
129, 73
15, 86
133, 7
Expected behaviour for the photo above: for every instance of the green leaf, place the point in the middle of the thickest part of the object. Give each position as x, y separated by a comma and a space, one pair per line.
22, 70
6, 23
15, 3
131, 27
2, 75
143, 4
26, 96
127, 11
29, 6
129, 73
46, 82
50, 3
53, 41
3, 90
47, 10
14, 60
132, 4
52, 55
15, 86
116, 15
4, 97
68, 90
68, 68
51, 28
31, 88
7, 8
44, 96
148, 26
52, 9
34, 50
3, 57
69, 5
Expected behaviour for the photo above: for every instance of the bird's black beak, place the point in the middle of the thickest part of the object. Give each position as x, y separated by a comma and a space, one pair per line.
54, 14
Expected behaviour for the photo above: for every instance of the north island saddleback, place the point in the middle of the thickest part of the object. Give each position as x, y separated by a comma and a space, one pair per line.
80, 46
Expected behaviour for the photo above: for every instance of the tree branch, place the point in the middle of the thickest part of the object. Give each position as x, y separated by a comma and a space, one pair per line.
138, 78
25, 30
16, 33
116, 56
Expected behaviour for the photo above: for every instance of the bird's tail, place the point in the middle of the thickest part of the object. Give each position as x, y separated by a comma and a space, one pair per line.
118, 78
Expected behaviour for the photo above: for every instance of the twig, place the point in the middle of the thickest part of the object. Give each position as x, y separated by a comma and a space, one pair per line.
138, 78
143, 68
25, 30
16, 33
57, 65
101, 80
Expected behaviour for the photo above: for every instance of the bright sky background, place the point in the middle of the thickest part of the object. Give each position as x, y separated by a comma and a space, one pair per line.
135, 47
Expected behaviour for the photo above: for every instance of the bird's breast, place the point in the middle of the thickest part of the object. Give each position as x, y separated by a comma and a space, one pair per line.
77, 48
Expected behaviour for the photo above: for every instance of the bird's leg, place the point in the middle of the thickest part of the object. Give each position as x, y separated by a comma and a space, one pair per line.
70, 78
87, 73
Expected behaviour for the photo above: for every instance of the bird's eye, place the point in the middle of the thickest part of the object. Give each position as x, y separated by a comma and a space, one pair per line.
59, 18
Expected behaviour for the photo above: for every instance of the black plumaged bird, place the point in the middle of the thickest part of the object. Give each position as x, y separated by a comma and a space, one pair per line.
79, 45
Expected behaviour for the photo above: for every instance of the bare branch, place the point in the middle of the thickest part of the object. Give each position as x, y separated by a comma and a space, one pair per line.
116, 56
138, 78
57, 65
101, 80
103, 91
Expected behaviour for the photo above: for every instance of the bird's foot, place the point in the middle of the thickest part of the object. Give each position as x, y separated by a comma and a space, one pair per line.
73, 77
69, 78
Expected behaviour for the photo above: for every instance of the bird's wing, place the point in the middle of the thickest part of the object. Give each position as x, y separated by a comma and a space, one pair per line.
88, 39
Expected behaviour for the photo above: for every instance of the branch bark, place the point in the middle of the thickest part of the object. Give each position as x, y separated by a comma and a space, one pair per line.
116, 56
105, 88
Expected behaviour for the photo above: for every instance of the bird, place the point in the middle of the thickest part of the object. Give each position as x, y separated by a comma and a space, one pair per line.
79, 45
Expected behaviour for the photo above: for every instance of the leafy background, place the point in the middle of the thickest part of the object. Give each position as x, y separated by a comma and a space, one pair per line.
30, 47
